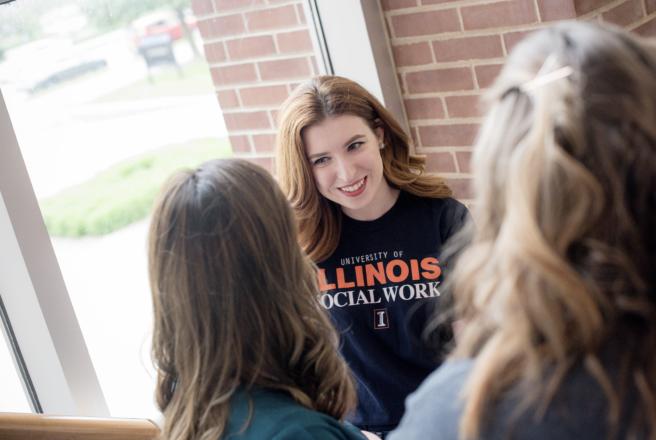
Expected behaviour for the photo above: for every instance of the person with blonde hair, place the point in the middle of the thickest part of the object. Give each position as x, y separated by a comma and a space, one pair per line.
374, 221
242, 348
557, 286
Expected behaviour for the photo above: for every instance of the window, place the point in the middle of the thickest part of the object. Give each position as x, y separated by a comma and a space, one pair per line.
106, 100
13, 397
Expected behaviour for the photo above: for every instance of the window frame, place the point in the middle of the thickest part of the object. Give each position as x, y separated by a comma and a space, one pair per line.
35, 296
358, 48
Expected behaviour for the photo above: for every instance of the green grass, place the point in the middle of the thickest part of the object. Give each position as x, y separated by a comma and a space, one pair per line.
125, 192
194, 79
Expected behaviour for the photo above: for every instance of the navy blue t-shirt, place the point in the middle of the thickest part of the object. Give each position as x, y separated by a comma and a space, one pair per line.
381, 285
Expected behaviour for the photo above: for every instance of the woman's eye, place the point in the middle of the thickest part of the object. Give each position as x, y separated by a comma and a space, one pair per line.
355, 146
320, 161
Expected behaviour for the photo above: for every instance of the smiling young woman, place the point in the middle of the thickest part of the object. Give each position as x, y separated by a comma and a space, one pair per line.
370, 217
344, 153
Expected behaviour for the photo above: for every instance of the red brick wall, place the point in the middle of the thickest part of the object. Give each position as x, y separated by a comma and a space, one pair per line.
258, 51
448, 51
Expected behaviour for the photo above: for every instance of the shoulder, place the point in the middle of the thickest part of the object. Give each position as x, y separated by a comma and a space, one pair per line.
443, 387
319, 428
443, 206
446, 204
436, 405
450, 209
453, 216
448, 214
275, 415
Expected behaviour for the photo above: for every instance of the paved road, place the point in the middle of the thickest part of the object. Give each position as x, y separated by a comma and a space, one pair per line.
107, 280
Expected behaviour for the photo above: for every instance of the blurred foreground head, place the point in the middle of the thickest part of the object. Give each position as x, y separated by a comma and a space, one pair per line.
560, 267
235, 301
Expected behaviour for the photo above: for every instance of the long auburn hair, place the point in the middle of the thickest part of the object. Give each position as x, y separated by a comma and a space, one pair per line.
235, 302
325, 97
559, 268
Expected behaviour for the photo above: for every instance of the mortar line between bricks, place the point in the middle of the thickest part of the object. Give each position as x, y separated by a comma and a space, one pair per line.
421, 150
442, 36
457, 162
433, 150
446, 122
229, 39
537, 10
438, 7
477, 86
430, 41
446, 94
250, 143
248, 34
258, 74
451, 65
260, 86
239, 100
298, 16
445, 108
235, 11
504, 49
276, 46
289, 2
278, 57
238, 85
461, 21
455, 175
642, 21
600, 10
256, 59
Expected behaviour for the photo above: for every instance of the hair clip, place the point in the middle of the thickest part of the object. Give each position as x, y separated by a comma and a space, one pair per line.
541, 78
546, 78
510, 91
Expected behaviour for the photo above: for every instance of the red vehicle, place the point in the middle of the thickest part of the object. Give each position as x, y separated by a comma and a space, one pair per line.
161, 22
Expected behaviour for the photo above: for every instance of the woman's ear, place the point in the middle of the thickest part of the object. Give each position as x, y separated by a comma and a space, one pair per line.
380, 134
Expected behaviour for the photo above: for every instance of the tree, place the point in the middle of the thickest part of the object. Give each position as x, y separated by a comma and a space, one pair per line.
115, 14
19, 22
109, 15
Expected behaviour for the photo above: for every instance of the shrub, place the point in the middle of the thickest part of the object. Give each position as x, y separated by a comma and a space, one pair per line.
125, 192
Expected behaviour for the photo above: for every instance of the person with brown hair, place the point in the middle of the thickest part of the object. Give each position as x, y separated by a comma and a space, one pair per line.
374, 221
557, 286
242, 347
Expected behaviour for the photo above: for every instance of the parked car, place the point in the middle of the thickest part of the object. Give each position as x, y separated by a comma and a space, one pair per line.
43, 63
161, 22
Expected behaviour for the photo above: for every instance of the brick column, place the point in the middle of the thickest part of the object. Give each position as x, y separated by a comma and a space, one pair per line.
258, 51
448, 51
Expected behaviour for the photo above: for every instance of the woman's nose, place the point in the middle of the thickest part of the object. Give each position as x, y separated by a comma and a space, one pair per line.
345, 170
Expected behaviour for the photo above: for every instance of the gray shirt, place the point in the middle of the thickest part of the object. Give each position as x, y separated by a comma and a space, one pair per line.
577, 411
